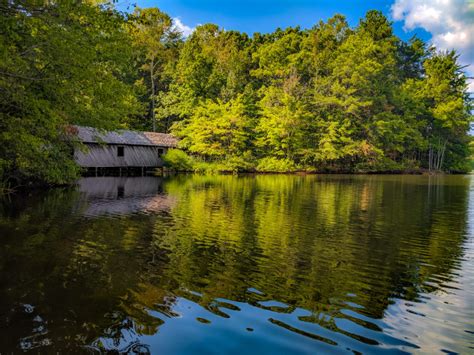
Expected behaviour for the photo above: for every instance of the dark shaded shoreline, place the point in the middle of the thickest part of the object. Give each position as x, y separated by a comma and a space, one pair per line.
33, 186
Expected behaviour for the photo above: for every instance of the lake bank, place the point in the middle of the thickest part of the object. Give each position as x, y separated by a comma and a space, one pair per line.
36, 185
8, 189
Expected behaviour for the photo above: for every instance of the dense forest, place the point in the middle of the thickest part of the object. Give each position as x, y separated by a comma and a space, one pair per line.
332, 98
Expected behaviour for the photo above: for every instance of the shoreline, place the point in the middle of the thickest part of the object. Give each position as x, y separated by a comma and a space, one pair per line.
39, 186
303, 172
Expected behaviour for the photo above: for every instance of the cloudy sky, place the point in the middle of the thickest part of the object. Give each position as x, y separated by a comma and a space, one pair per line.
448, 24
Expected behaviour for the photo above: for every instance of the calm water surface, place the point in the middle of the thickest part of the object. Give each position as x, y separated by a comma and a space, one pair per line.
256, 264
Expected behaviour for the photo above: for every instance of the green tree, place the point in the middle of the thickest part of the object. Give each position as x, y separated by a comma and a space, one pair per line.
216, 129
283, 120
156, 42
445, 90
61, 63
327, 98
213, 64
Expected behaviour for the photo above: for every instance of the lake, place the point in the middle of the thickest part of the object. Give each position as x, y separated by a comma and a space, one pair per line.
231, 264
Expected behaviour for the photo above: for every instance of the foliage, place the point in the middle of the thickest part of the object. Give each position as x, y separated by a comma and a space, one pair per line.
329, 98
272, 164
178, 160
471, 156
61, 63
215, 128
382, 164
244, 163
155, 41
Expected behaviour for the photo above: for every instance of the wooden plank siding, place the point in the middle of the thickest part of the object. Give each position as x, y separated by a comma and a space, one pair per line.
105, 156
100, 149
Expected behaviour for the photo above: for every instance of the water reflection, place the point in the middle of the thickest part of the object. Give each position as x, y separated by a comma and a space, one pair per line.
223, 264
123, 196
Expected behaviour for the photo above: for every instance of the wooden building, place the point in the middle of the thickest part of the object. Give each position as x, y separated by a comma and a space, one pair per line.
121, 152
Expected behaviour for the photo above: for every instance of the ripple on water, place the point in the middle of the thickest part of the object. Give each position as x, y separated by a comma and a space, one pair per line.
275, 264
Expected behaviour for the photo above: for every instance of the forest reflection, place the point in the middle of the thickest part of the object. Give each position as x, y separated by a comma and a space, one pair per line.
131, 263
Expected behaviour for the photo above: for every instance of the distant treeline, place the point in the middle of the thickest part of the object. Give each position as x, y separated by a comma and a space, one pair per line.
329, 98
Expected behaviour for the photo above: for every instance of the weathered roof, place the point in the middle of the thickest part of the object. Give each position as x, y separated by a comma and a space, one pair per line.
161, 139
125, 137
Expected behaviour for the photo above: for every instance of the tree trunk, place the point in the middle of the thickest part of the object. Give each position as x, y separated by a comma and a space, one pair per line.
442, 154
152, 80
438, 155
430, 153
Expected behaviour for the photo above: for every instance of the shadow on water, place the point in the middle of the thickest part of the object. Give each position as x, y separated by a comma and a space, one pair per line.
226, 263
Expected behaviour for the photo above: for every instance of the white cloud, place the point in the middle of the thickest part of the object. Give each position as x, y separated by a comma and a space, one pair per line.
451, 23
184, 29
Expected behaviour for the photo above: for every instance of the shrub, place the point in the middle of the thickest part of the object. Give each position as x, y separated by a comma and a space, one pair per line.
242, 163
382, 164
275, 165
177, 160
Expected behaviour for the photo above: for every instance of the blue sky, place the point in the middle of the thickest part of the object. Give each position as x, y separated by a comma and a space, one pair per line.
266, 15
447, 24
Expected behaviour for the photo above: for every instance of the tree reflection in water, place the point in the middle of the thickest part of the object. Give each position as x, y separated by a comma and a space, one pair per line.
196, 263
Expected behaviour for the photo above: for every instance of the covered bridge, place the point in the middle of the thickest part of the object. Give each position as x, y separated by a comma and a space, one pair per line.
123, 151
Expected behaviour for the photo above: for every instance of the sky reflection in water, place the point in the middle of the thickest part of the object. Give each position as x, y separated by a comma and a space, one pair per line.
267, 264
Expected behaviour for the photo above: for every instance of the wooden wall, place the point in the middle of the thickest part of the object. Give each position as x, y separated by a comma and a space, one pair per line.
105, 156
